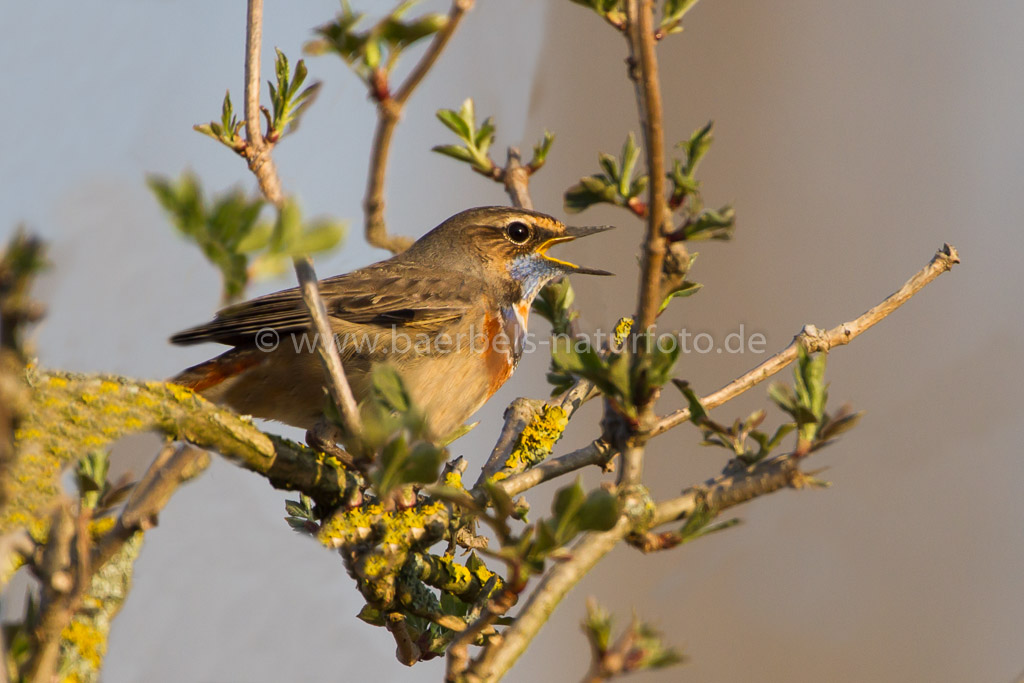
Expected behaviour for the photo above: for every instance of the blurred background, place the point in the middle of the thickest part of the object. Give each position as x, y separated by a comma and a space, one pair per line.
853, 140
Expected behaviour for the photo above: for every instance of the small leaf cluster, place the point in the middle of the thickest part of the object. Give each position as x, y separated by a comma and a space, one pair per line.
229, 232
618, 184
614, 12
806, 401
699, 223
287, 100
573, 511
288, 103
96, 493
615, 184
302, 516
21, 259
672, 13
639, 648
477, 141
736, 436
625, 379
373, 53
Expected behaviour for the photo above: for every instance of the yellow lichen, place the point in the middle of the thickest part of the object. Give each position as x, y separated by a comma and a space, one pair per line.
453, 478
89, 642
537, 439
622, 329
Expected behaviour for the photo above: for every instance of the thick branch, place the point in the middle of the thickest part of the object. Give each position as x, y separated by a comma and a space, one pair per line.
69, 415
389, 111
813, 339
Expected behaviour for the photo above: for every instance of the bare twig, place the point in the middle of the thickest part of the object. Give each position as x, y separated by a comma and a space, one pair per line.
389, 111
338, 384
173, 466
813, 339
257, 149
408, 652
597, 452
516, 178
733, 488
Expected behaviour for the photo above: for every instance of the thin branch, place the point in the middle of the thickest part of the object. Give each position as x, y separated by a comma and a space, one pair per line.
644, 72
458, 653
338, 385
597, 452
173, 466
813, 339
516, 178
257, 150
389, 111
733, 488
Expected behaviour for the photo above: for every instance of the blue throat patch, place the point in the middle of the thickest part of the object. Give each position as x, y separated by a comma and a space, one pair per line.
532, 272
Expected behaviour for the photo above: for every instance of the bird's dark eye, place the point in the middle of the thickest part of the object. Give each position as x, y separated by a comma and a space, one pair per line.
518, 232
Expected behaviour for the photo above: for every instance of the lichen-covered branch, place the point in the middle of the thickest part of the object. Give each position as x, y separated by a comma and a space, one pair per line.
70, 415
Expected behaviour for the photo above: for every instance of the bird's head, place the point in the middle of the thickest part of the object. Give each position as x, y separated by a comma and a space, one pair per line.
504, 245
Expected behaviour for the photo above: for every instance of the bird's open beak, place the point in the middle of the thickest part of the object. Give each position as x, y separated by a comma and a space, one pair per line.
571, 233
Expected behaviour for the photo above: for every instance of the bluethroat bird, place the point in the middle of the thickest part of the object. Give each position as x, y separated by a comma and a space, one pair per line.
450, 313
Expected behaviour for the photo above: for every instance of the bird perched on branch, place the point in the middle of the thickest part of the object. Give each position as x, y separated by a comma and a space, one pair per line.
449, 313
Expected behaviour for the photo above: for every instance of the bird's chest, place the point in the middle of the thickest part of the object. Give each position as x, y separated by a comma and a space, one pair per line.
505, 335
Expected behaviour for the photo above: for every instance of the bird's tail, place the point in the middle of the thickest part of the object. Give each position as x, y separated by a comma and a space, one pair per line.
202, 378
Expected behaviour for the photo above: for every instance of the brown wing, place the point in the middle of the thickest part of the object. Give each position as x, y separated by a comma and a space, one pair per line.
385, 295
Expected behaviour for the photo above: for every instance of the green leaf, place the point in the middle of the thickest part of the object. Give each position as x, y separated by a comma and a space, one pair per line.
600, 511
630, 154
673, 12
320, 236
455, 152
424, 464
697, 146
710, 224
697, 412
686, 289
389, 388
540, 151
454, 122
